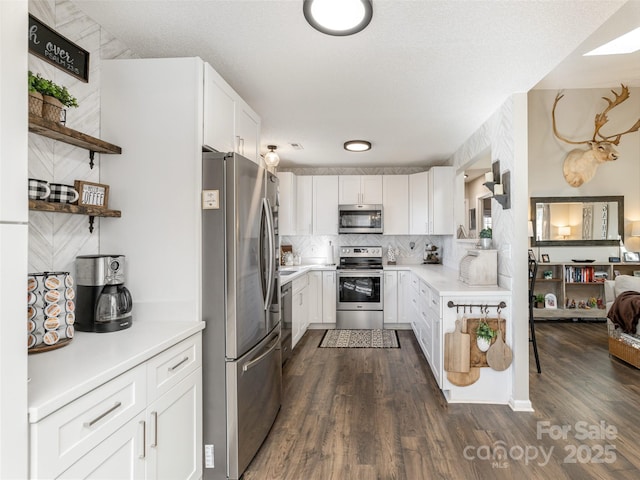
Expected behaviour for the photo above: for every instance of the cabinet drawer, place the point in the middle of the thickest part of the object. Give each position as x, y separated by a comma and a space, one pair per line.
171, 366
60, 439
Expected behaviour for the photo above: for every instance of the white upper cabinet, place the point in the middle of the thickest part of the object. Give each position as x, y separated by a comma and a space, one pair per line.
418, 203
360, 189
395, 204
247, 132
325, 205
440, 203
219, 112
287, 203
304, 205
229, 123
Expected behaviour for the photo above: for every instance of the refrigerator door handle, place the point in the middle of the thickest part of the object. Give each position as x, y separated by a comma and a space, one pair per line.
271, 239
247, 366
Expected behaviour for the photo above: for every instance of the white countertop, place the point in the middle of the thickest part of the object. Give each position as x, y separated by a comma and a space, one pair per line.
299, 270
60, 376
445, 280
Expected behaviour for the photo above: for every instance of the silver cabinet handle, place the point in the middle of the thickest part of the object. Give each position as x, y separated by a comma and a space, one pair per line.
155, 429
101, 416
144, 439
171, 369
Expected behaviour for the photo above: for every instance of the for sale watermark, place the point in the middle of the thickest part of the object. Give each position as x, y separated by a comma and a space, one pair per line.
599, 448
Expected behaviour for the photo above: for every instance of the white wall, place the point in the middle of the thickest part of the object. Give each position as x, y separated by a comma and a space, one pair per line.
504, 134
575, 121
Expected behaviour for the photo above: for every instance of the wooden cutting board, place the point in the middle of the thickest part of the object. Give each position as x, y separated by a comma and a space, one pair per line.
457, 351
464, 379
478, 358
499, 355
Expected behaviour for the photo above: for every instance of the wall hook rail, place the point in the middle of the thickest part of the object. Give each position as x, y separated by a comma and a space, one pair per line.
484, 307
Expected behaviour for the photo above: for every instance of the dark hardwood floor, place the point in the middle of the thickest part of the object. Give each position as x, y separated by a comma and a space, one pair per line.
378, 414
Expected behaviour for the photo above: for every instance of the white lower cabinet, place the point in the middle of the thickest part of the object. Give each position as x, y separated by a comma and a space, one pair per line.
299, 308
315, 297
390, 301
404, 289
144, 423
329, 292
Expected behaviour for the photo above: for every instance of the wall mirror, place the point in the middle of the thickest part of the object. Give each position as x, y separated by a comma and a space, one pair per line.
577, 221
477, 198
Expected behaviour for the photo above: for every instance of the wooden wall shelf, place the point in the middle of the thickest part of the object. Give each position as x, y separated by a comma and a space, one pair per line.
57, 131
90, 211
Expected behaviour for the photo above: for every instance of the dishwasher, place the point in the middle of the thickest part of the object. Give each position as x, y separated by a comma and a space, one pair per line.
286, 325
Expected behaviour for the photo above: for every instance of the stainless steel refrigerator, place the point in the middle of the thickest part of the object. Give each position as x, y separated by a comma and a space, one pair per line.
242, 367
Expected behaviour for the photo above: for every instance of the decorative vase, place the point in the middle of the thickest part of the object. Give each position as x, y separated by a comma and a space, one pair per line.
35, 104
51, 109
485, 243
483, 344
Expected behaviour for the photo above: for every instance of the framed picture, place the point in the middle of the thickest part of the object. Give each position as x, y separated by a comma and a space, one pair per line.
532, 255
545, 258
550, 301
616, 273
632, 256
614, 259
92, 194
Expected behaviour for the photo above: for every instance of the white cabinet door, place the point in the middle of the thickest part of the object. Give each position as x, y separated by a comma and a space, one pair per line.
390, 297
174, 430
219, 112
360, 189
121, 455
371, 189
329, 293
304, 205
440, 205
247, 130
287, 209
418, 203
395, 203
315, 298
349, 189
404, 288
299, 314
325, 205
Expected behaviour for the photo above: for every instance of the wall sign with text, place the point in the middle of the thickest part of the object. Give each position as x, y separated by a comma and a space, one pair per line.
52, 47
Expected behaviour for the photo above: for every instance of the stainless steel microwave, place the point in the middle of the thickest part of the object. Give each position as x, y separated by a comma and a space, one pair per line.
360, 219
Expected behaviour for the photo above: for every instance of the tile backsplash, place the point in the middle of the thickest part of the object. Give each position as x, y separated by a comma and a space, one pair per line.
313, 249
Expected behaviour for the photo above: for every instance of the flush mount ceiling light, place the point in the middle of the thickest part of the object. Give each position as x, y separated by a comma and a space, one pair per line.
338, 17
271, 158
357, 145
627, 43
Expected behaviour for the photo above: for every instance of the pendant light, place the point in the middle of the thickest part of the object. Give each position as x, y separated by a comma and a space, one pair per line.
271, 158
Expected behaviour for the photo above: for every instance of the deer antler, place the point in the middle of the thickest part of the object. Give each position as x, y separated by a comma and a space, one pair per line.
601, 118
555, 129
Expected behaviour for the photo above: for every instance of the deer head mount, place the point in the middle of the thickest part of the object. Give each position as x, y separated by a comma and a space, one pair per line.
580, 165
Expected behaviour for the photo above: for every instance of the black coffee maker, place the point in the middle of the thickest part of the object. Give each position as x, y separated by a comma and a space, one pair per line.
103, 303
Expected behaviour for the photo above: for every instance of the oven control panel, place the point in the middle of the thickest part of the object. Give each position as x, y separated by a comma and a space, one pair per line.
361, 251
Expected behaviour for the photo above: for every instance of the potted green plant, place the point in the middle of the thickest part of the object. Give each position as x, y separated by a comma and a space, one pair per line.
484, 335
54, 96
35, 97
486, 235
539, 300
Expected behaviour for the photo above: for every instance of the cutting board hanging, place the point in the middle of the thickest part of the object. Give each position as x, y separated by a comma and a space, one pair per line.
457, 350
478, 358
499, 355
464, 379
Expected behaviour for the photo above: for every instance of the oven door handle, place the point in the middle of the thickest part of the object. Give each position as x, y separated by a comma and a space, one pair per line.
359, 273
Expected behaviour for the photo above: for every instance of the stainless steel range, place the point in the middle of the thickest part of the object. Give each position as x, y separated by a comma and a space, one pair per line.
360, 288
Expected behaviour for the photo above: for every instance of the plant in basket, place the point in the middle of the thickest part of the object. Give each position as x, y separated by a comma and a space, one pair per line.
54, 96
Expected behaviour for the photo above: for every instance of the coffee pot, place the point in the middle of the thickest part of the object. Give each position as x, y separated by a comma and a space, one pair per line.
103, 303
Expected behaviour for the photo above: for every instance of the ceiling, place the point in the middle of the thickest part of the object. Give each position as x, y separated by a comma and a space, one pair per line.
417, 82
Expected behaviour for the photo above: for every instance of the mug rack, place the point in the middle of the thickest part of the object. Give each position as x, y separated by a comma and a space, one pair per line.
484, 307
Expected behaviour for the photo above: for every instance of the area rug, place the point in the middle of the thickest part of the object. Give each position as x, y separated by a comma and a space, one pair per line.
376, 338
